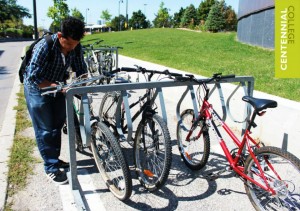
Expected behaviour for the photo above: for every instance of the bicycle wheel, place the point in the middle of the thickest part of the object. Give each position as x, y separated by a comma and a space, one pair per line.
194, 149
108, 108
152, 153
93, 66
78, 140
282, 170
111, 162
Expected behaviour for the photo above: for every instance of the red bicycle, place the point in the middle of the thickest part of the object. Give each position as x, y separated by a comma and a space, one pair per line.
271, 175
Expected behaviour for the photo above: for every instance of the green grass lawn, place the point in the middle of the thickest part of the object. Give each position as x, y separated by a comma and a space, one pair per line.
204, 54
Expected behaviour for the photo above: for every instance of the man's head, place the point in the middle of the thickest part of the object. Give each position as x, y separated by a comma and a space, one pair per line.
72, 31
72, 28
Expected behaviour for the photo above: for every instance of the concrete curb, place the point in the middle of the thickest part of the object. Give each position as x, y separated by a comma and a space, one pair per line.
6, 140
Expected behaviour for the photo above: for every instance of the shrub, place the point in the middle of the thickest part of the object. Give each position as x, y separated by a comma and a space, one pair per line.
15, 33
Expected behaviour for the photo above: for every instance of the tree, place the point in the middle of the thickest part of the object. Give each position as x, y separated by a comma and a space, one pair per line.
216, 18
177, 18
189, 18
118, 23
58, 12
11, 14
162, 18
138, 20
77, 14
230, 19
204, 8
105, 15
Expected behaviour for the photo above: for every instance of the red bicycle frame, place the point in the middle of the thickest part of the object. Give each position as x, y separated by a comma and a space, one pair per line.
211, 117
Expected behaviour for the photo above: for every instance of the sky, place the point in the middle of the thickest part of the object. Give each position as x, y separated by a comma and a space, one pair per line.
92, 9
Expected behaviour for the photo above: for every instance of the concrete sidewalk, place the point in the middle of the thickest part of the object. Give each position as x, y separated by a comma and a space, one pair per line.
279, 127
6, 140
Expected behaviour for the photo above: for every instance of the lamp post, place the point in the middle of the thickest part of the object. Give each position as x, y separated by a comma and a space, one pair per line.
87, 9
120, 1
126, 14
145, 9
36, 33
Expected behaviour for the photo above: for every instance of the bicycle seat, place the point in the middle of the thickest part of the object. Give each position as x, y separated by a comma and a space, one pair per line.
260, 104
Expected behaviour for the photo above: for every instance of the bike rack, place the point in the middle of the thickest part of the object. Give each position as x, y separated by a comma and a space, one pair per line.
246, 82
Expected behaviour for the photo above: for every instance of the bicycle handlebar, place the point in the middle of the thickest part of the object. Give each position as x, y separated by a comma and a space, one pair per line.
140, 69
92, 45
216, 77
60, 87
49, 88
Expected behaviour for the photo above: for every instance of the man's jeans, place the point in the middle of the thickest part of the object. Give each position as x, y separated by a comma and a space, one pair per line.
48, 115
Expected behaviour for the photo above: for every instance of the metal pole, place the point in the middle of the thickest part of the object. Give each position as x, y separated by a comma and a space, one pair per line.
36, 34
119, 16
145, 9
126, 14
86, 16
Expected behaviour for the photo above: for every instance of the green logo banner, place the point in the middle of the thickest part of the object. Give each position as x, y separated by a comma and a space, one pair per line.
287, 38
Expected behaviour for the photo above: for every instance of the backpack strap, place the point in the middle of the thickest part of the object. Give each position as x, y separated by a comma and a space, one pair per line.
50, 43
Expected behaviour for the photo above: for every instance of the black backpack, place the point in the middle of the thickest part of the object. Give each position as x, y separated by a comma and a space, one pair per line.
26, 58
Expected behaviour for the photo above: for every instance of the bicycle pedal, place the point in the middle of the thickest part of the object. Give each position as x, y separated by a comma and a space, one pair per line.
211, 176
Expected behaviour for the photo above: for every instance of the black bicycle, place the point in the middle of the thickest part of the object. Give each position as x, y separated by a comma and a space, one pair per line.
106, 150
152, 142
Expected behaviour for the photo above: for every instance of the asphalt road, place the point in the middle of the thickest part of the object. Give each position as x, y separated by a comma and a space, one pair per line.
10, 53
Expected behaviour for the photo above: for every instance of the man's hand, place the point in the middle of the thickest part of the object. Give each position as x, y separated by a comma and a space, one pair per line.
46, 83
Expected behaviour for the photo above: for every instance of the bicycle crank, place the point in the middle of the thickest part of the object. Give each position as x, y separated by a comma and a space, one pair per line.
214, 176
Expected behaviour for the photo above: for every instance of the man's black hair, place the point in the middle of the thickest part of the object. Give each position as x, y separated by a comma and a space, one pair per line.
73, 28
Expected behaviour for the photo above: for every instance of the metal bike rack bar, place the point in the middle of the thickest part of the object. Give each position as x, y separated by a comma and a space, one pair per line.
245, 81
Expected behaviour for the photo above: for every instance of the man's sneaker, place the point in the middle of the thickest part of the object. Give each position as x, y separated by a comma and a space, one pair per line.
58, 177
63, 164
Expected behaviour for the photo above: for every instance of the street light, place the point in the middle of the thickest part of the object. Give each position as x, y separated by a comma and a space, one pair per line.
145, 9
87, 9
36, 34
126, 14
120, 1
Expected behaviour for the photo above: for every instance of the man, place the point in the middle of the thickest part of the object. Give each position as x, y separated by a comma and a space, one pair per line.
48, 112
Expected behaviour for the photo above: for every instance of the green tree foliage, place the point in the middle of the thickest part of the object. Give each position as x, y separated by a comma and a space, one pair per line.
58, 12
204, 9
138, 20
189, 18
11, 19
177, 18
162, 18
216, 18
11, 14
11, 11
118, 23
77, 14
105, 15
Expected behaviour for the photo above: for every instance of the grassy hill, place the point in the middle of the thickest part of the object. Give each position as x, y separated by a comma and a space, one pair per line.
204, 54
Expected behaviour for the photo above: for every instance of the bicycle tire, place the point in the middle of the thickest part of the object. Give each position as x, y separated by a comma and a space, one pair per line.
287, 166
93, 66
78, 140
194, 152
108, 107
111, 162
152, 177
